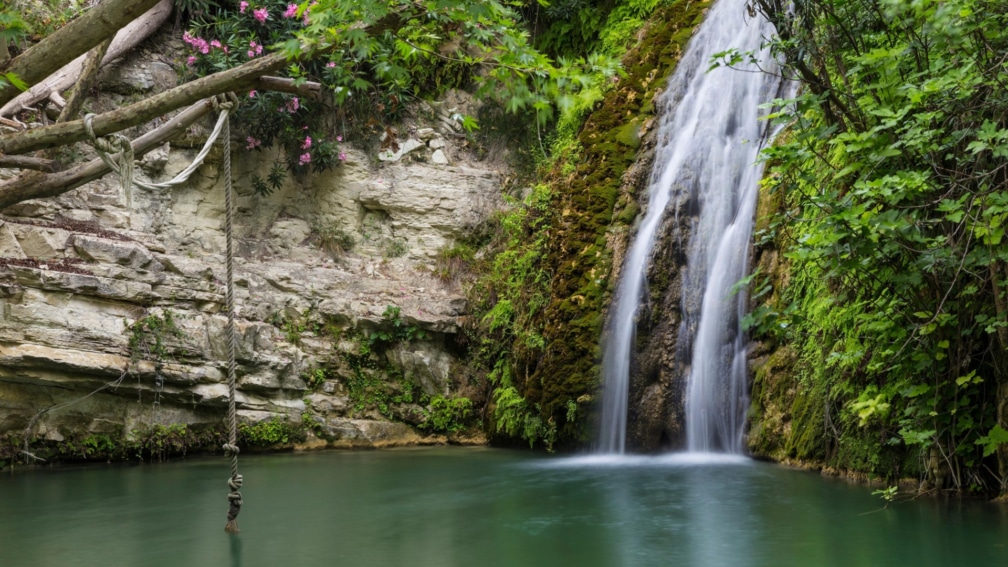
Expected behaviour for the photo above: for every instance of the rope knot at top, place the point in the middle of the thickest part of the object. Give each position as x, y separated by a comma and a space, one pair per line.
224, 101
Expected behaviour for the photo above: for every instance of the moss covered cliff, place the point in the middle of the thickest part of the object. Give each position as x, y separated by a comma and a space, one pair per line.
545, 374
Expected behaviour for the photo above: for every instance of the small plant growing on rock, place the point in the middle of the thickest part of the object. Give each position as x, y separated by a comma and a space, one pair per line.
148, 336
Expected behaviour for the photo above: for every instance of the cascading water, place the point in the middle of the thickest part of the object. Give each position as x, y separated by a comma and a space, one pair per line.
708, 140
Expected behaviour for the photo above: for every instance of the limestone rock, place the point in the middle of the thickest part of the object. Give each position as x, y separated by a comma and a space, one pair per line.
439, 158
323, 256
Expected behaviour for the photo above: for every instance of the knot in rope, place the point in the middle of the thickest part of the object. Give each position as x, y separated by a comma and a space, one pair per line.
224, 102
231, 450
114, 144
234, 503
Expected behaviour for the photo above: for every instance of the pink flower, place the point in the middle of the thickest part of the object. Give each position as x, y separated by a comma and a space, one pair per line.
307, 143
252, 143
293, 105
241, 6
291, 11
251, 54
191, 60
342, 156
215, 43
330, 64
261, 14
252, 94
339, 138
305, 158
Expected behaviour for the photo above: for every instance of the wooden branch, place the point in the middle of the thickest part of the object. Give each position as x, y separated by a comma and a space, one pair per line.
88, 74
13, 123
283, 85
73, 39
4, 54
57, 100
236, 79
37, 186
27, 162
126, 39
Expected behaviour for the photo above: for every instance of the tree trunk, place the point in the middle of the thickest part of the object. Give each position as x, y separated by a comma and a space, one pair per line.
236, 79
86, 78
37, 186
73, 39
125, 40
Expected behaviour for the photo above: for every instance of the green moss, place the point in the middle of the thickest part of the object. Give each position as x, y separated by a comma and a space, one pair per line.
569, 367
146, 443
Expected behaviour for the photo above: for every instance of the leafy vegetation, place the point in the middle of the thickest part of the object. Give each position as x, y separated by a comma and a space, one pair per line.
147, 443
149, 336
892, 177
540, 300
448, 415
270, 433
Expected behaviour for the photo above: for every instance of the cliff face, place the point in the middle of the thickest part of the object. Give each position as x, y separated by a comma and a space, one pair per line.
112, 319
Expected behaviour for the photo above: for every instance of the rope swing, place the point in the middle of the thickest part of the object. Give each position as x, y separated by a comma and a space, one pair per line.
122, 163
231, 448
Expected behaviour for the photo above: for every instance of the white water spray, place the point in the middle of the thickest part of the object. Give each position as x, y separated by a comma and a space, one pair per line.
708, 141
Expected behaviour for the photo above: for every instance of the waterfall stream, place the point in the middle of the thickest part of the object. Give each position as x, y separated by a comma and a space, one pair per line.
708, 140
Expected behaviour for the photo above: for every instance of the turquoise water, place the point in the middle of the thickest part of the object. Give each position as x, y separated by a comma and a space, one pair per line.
484, 507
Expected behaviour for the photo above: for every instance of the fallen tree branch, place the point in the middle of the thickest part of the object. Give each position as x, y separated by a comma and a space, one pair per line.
125, 40
70, 41
27, 162
36, 186
236, 79
86, 78
284, 85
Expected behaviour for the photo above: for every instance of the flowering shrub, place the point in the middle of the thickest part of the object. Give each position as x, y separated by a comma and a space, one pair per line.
242, 31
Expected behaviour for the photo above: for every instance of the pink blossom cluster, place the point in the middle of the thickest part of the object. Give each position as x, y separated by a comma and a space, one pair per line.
307, 143
262, 14
252, 143
254, 49
242, 6
305, 158
198, 43
307, 11
291, 11
293, 105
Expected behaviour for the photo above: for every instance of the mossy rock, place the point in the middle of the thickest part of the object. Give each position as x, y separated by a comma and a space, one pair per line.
569, 368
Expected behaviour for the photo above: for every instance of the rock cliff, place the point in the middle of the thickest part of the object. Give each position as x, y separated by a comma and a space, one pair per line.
112, 318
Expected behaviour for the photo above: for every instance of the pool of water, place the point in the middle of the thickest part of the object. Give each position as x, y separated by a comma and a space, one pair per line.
480, 507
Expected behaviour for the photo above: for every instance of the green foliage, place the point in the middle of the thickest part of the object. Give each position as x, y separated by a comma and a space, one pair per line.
12, 28
316, 378
994, 439
146, 443
887, 494
270, 433
149, 334
375, 383
333, 239
274, 179
538, 301
893, 178
219, 39
448, 415
454, 263
39, 17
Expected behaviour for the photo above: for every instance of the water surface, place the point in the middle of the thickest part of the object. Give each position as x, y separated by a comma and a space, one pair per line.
484, 507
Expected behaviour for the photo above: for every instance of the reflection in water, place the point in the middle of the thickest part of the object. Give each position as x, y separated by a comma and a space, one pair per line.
461, 507
236, 550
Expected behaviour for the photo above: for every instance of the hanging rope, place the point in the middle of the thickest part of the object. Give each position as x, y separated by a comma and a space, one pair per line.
116, 151
122, 164
231, 448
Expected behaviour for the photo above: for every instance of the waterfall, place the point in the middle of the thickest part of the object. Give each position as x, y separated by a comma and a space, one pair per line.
708, 140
